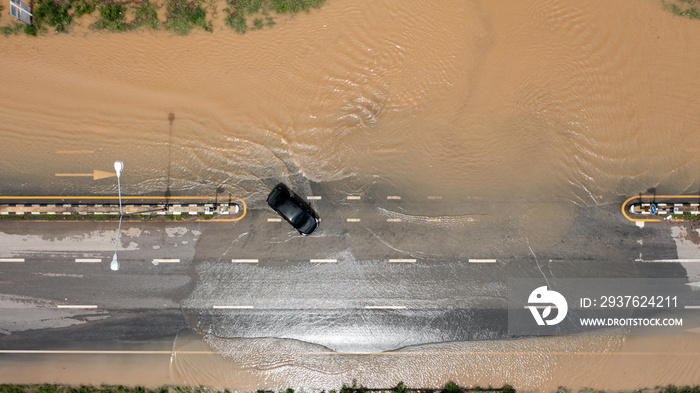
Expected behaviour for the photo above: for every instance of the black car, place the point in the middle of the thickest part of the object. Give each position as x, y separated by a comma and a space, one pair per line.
293, 209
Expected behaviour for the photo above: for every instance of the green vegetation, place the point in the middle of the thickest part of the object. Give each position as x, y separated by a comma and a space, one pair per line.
83, 7
12, 29
239, 10
112, 18
295, 6
54, 13
146, 15
182, 15
687, 8
686, 217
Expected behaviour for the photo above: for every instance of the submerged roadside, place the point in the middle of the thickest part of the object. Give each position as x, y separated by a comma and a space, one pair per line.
178, 16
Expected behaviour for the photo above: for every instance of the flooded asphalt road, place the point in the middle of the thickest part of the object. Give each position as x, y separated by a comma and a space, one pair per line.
354, 286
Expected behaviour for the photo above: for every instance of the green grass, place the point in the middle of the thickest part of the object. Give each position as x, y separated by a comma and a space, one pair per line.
53, 13
183, 15
112, 18
687, 217
295, 6
687, 8
146, 15
239, 10
236, 22
12, 29
83, 7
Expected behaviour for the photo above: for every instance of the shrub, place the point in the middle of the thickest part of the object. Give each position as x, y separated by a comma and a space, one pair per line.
237, 23
295, 6
508, 389
52, 13
83, 7
146, 15
112, 18
183, 15
451, 387
400, 388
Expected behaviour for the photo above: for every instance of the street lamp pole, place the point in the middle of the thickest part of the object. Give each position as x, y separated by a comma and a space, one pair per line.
118, 167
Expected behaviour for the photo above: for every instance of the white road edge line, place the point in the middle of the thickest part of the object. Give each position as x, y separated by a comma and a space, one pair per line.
274, 220
11, 259
166, 260
402, 261
76, 306
323, 260
244, 261
385, 307
233, 307
482, 261
88, 260
669, 260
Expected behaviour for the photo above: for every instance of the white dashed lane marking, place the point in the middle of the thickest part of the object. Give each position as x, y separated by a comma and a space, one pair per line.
244, 260
16, 260
402, 261
76, 306
385, 307
274, 220
166, 261
323, 260
482, 261
233, 307
88, 260
353, 220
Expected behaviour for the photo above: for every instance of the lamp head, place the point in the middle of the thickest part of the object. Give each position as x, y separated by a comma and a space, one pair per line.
115, 264
118, 167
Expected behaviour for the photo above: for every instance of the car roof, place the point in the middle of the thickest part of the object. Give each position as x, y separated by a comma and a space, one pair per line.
292, 208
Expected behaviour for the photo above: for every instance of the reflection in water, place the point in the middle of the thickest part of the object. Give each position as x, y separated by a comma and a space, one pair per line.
613, 361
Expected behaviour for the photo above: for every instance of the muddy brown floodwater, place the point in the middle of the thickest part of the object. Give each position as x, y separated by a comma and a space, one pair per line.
569, 102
